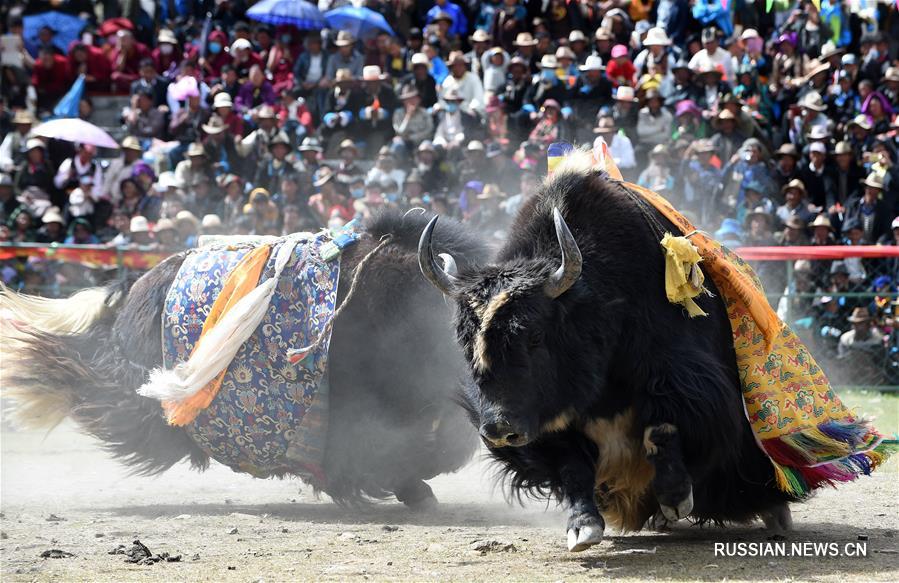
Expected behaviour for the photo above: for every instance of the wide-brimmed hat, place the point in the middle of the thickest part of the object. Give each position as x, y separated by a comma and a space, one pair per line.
33, 143
593, 63
372, 73
52, 215
420, 59
139, 224
241, 44
549, 62
829, 49
443, 15
452, 94
565, 53
749, 33
456, 57
860, 315
704, 146
517, 61
794, 222
603, 33
525, 39
625, 93
344, 38
347, 144
324, 175
265, 112
475, 146
605, 125
657, 37
211, 221
131, 143
408, 92
862, 121
725, 114
280, 138
222, 99
23, 116
842, 147
813, 100
226, 179
196, 149
310, 144
821, 221
787, 149
874, 180
757, 212
818, 132
794, 184
480, 36
216, 125
164, 225
577, 36
619, 51
166, 36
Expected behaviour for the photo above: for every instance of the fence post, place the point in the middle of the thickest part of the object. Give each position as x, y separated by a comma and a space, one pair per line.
790, 292
120, 261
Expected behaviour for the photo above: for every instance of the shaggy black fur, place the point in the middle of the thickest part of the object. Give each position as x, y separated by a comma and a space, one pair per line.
394, 370
610, 344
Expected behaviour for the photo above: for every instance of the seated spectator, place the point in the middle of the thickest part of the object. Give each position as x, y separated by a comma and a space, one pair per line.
50, 78
256, 92
89, 61
795, 204
411, 122
346, 57
151, 81
125, 59
144, 121
869, 210
373, 108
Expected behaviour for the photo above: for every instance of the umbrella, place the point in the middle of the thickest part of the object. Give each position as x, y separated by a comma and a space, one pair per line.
359, 21
75, 130
68, 105
66, 27
298, 13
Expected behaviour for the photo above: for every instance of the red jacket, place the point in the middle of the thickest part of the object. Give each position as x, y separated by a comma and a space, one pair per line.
55, 80
96, 66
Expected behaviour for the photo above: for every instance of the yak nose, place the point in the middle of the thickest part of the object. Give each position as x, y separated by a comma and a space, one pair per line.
501, 434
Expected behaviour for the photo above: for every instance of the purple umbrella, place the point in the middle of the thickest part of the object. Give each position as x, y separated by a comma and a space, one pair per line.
75, 130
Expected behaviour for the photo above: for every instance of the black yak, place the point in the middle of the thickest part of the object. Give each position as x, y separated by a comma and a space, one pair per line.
393, 369
587, 384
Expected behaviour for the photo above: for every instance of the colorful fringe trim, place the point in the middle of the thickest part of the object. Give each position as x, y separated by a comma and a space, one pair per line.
825, 455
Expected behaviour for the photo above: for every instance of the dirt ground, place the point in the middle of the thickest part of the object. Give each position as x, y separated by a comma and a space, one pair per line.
62, 492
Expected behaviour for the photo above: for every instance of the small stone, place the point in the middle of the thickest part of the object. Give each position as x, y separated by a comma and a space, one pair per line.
492, 545
347, 536
196, 557
233, 530
99, 535
3, 536
284, 530
54, 518
56, 554
230, 568
389, 528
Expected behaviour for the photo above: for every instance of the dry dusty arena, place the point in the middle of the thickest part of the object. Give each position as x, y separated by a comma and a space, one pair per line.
61, 493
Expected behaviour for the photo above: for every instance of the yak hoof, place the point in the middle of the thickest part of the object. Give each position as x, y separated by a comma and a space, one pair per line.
675, 513
778, 519
584, 532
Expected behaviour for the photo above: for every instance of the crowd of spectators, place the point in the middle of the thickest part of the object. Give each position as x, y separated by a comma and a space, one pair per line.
767, 127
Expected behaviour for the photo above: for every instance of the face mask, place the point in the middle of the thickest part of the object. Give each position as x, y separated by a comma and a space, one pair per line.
754, 45
286, 38
452, 107
548, 75
166, 49
215, 48
357, 192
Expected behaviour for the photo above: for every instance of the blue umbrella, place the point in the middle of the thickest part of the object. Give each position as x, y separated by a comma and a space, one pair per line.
66, 27
68, 105
298, 13
359, 21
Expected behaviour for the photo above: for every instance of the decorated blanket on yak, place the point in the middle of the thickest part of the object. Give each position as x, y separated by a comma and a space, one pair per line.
265, 412
811, 437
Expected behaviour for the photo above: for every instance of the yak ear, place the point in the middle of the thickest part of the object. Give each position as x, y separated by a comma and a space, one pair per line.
443, 278
572, 262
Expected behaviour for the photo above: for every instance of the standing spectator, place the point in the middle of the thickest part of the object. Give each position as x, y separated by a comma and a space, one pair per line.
12, 149
125, 59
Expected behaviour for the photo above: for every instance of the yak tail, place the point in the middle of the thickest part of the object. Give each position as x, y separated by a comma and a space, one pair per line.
60, 359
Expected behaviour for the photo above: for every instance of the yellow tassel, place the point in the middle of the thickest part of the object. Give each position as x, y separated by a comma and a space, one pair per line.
683, 278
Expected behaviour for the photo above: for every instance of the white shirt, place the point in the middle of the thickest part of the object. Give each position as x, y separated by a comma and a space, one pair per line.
316, 70
719, 59
62, 175
469, 87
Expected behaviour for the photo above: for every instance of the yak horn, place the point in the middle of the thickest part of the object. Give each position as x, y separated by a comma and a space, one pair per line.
443, 278
570, 270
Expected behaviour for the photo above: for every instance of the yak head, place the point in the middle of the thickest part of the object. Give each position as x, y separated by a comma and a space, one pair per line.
513, 330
